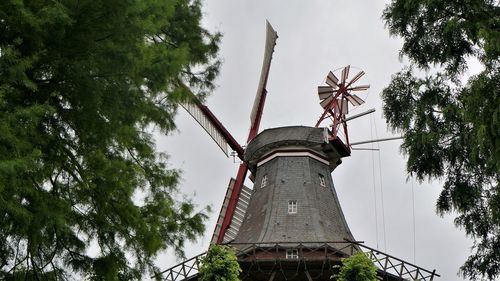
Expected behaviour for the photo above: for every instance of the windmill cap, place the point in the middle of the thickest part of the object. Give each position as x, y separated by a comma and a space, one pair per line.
295, 139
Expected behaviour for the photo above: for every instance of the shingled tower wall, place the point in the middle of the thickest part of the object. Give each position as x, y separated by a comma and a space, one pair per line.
292, 166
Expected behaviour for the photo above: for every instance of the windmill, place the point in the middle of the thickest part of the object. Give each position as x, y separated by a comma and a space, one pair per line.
290, 226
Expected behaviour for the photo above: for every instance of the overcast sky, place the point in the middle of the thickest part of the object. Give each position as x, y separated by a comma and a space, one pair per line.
315, 37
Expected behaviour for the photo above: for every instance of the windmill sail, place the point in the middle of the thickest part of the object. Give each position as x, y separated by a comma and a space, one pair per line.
228, 213
210, 123
258, 104
212, 130
239, 213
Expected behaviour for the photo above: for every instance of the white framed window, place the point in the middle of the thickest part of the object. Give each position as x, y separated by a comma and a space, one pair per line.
292, 254
292, 206
322, 181
263, 183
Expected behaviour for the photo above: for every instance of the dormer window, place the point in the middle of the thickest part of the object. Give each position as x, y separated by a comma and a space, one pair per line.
292, 254
263, 183
322, 181
292, 206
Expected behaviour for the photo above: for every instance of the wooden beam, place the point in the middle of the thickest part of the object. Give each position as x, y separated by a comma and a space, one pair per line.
309, 278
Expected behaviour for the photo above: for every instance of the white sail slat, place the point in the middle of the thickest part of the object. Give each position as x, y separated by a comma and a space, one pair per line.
207, 125
271, 37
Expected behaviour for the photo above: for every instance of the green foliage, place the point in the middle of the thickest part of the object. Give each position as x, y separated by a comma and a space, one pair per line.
220, 264
82, 82
452, 130
23, 274
446, 31
357, 267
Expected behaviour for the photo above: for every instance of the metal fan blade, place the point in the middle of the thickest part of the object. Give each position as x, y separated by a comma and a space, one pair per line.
326, 101
358, 99
352, 100
332, 80
343, 106
359, 88
324, 92
356, 78
345, 74
325, 89
323, 96
271, 37
355, 100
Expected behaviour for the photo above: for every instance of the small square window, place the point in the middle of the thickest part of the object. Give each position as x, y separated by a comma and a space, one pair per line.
292, 206
322, 180
292, 254
263, 183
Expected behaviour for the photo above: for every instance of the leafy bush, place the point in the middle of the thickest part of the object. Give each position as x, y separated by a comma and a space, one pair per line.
220, 264
357, 267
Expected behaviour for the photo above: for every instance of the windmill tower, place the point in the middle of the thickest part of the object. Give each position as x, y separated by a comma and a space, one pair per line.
290, 225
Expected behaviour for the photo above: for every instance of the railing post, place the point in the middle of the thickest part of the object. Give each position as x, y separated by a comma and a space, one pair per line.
277, 254
385, 264
184, 270
254, 252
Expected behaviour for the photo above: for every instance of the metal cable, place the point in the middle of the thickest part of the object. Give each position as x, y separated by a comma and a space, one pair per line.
374, 186
414, 228
381, 185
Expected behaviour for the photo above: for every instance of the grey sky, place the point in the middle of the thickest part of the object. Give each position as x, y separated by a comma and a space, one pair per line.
315, 37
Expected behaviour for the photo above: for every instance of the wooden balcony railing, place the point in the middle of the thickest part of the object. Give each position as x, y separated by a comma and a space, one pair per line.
307, 252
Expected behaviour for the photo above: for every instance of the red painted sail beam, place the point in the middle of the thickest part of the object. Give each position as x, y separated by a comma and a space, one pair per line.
254, 130
233, 201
